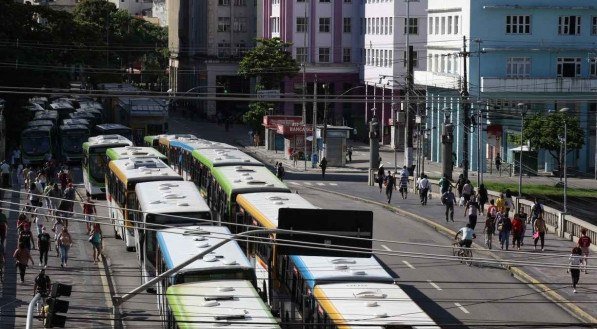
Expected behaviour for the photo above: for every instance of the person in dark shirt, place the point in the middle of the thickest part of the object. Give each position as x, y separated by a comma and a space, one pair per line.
43, 242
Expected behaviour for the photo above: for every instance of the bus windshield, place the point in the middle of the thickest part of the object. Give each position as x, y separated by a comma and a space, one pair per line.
73, 141
35, 145
98, 165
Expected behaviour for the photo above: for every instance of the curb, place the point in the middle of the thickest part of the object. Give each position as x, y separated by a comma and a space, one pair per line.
518, 273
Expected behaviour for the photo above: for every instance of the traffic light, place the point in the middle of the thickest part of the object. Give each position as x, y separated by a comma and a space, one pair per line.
56, 305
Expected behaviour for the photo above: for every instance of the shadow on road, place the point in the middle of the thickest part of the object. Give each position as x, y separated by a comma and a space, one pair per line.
439, 314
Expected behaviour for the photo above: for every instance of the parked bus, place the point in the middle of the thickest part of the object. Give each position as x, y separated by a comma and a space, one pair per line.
205, 159
90, 117
36, 145
63, 108
97, 113
72, 138
234, 304
146, 116
164, 203
95, 164
121, 179
40, 123
176, 245
127, 152
72, 122
114, 129
227, 182
47, 115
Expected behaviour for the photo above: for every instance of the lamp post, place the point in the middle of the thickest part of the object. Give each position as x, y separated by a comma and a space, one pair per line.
522, 108
565, 110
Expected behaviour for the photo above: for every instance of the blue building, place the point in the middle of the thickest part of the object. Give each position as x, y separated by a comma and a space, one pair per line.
536, 55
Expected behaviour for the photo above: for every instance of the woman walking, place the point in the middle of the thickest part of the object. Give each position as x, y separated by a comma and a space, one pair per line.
96, 240
22, 257
482, 197
64, 243
574, 262
540, 230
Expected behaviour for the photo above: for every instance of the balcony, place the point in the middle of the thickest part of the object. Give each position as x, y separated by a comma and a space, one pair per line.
538, 85
436, 79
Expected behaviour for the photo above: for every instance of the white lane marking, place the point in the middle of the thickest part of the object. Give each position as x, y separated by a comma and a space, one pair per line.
408, 264
333, 184
294, 183
320, 184
434, 285
386, 247
307, 183
462, 308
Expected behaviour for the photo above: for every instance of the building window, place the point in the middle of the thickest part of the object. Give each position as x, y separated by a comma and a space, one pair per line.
301, 55
275, 24
430, 25
518, 67
415, 60
376, 57
568, 67
223, 49
240, 24
391, 25
593, 67
223, 2
324, 55
324, 24
443, 26
430, 63
518, 24
594, 25
435, 63
390, 58
346, 26
413, 25
436, 26
449, 24
456, 19
223, 24
301, 24
346, 55
569, 25
385, 58
377, 25
240, 2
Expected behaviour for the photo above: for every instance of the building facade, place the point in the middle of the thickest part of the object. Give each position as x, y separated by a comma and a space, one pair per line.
134, 7
534, 56
207, 39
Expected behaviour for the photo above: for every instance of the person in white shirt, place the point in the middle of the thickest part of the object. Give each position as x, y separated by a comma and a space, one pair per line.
424, 186
465, 236
574, 262
5, 169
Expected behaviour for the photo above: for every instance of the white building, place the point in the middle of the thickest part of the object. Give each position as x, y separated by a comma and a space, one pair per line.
134, 7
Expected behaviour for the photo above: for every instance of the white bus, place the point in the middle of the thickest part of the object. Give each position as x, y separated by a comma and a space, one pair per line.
121, 179
94, 161
160, 204
176, 245
213, 304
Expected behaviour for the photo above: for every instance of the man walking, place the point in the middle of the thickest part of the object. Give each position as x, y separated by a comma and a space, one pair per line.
280, 171
390, 185
449, 199
472, 210
349, 154
323, 164
424, 186
43, 242
5, 168
403, 188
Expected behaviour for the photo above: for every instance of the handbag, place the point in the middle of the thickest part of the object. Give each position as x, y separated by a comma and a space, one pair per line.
536, 235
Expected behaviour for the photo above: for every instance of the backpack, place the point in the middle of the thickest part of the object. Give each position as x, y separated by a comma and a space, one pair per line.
536, 209
490, 225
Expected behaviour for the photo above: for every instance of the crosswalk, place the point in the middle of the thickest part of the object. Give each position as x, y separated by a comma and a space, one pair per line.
301, 183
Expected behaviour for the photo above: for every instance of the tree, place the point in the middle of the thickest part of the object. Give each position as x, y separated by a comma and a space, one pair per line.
254, 116
270, 62
546, 131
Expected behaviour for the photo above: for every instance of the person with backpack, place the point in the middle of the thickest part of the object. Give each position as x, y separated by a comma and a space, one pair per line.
584, 242
449, 199
460, 184
43, 242
22, 256
26, 239
540, 230
574, 262
489, 230
517, 231
467, 191
444, 183
492, 209
504, 226
57, 229
472, 210
95, 237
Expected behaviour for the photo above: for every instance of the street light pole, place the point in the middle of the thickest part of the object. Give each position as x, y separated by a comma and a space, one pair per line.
522, 113
565, 110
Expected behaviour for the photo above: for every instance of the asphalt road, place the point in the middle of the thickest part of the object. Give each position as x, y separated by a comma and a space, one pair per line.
450, 292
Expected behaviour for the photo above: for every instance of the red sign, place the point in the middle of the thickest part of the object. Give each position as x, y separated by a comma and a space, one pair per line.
270, 121
290, 130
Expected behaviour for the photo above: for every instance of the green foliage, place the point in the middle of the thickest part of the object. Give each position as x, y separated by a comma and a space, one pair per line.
544, 132
270, 62
254, 116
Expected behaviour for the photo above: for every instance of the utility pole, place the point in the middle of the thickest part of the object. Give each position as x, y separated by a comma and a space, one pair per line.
466, 106
409, 120
305, 157
479, 118
314, 140
325, 117
447, 140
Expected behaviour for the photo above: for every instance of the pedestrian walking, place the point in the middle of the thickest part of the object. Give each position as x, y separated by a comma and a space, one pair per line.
34, 195
26, 176
482, 197
508, 200
523, 218
536, 212
500, 203
31, 176
390, 183
280, 171
294, 156
22, 258
95, 237
64, 243
584, 242
5, 169
26, 239
498, 164
574, 262
89, 212
57, 229
3, 227
54, 196
472, 210
380, 177
467, 191
323, 164
489, 230
460, 184
41, 286
539, 232
63, 179
517, 231
43, 242
20, 178
68, 202
424, 187
23, 223
403, 185
444, 184
504, 226
349, 152
449, 199
42, 180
